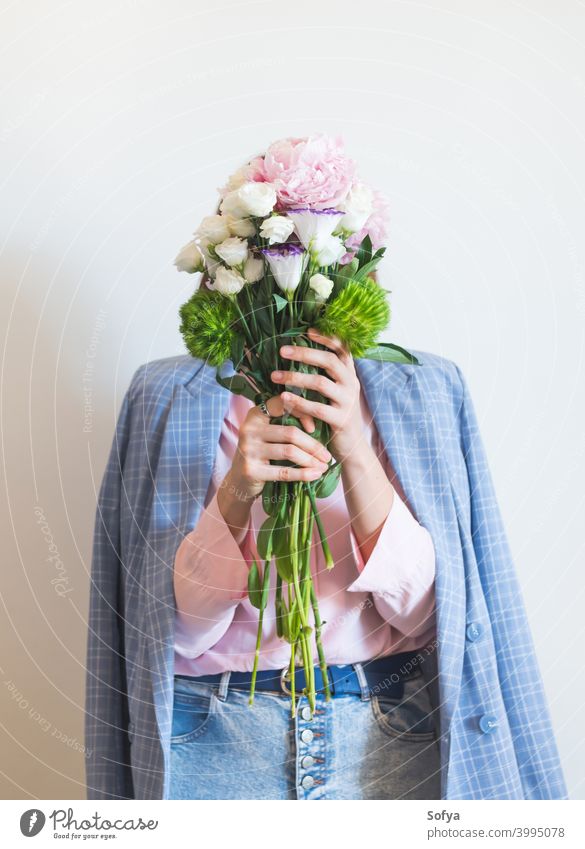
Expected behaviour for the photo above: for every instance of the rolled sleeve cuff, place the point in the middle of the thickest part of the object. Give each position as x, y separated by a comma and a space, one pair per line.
226, 563
403, 557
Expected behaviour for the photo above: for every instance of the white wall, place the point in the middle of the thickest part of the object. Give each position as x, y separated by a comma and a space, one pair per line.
119, 120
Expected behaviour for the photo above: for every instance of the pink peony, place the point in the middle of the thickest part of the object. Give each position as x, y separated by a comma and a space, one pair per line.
312, 171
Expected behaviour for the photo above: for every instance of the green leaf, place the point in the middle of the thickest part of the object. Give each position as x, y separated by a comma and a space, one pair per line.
326, 484
367, 268
279, 606
280, 302
295, 623
388, 353
265, 586
284, 567
254, 592
237, 350
364, 252
294, 331
269, 499
264, 541
237, 384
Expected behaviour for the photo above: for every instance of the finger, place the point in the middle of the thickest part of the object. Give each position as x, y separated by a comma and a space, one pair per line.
288, 451
288, 473
293, 434
308, 422
312, 356
333, 342
296, 405
317, 382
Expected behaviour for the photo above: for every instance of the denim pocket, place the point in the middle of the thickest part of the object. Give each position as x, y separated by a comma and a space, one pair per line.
409, 717
193, 706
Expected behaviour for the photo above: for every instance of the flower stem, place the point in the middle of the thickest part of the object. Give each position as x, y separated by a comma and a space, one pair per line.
256, 657
320, 652
329, 562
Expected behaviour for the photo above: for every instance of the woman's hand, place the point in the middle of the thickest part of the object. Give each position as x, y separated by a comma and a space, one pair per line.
261, 441
341, 387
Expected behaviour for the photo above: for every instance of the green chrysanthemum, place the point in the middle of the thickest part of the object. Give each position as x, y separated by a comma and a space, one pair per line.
207, 325
357, 315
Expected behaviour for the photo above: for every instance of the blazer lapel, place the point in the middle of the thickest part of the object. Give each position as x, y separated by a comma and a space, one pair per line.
396, 395
183, 472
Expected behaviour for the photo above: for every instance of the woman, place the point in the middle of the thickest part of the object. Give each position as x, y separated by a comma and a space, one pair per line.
436, 691
376, 738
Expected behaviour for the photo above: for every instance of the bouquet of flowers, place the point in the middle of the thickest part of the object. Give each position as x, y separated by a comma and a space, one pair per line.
295, 244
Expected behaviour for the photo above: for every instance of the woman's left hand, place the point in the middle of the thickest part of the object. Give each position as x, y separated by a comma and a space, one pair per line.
341, 387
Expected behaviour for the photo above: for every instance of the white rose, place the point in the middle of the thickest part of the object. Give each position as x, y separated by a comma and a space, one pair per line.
357, 206
329, 250
253, 269
276, 229
322, 286
242, 227
237, 179
211, 261
214, 228
232, 205
257, 199
233, 251
190, 258
228, 282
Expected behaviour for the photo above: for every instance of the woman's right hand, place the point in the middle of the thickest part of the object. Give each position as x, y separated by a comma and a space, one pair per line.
261, 441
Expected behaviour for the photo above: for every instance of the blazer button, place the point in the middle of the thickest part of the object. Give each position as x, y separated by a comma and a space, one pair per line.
488, 723
474, 631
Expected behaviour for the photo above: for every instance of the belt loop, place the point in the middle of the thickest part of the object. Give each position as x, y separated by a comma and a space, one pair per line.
363, 681
222, 690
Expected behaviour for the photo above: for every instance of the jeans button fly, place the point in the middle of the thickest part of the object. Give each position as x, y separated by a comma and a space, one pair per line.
307, 782
307, 762
307, 735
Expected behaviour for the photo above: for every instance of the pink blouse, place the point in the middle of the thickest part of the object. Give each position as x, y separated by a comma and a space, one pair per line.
383, 606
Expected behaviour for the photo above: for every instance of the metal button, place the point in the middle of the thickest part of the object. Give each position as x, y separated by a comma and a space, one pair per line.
307, 782
474, 631
306, 713
307, 762
488, 723
307, 735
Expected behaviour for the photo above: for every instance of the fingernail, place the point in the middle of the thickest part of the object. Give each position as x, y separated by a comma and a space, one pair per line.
285, 396
286, 350
276, 375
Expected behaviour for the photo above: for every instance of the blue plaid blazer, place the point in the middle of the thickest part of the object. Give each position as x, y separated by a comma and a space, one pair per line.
496, 739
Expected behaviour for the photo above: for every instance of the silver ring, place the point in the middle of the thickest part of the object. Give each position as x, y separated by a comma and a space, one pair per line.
264, 408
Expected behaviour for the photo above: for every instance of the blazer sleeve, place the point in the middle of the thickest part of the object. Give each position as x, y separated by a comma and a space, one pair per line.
521, 682
108, 771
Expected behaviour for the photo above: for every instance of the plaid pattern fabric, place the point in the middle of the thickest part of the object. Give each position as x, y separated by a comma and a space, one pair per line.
151, 496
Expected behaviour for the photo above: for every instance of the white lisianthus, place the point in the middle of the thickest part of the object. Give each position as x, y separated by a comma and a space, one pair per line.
276, 229
313, 226
214, 228
190, 258
358, 206
322, 286
242, 227
258, 199
228, 282
232, 251
286, 263
253, 269
328, 251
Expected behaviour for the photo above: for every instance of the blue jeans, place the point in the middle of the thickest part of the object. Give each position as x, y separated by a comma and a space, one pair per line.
373, 746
